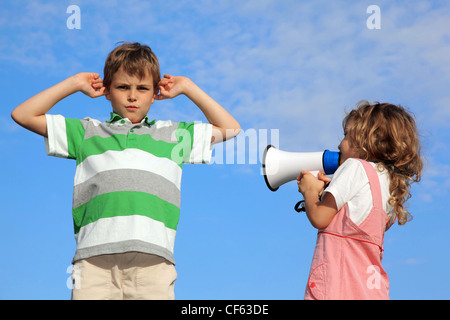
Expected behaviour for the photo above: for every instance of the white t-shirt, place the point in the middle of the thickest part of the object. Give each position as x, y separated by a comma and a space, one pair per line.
350, 184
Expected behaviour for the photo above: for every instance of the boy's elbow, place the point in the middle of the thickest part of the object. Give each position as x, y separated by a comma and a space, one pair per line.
15, 115
37, 124
222, 134
232, 131
19, 117
237, 129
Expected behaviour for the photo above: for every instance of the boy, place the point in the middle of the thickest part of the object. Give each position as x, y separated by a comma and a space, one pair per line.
127, 182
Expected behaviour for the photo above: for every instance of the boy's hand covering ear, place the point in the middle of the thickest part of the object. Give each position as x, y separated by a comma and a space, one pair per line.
170, 87
91, 84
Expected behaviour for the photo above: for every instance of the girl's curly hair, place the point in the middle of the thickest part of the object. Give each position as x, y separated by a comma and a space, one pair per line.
387, 134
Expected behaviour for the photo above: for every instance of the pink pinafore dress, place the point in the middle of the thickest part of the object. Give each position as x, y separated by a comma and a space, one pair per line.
347, 258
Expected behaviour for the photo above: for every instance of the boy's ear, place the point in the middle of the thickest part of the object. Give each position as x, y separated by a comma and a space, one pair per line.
156, 93
107, 94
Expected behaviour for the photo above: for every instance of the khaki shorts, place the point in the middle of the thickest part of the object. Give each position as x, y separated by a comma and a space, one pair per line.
124, 276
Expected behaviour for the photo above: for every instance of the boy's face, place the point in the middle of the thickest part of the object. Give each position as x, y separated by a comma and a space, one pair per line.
131, 96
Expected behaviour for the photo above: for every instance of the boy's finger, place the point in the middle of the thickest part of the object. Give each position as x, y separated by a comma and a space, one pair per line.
159, 97
99, 93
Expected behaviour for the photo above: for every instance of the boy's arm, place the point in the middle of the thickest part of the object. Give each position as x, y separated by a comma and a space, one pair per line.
224, 125
31, 113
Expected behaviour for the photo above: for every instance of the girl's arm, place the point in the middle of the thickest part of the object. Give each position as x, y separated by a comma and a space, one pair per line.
31, 113
319, 212
224, 125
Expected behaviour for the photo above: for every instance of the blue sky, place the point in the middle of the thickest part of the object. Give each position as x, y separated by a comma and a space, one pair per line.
290, 67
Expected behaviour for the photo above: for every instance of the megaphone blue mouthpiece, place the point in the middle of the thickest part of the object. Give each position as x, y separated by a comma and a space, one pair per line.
330, 161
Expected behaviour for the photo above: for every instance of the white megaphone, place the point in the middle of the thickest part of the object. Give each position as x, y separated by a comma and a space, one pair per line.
280, 167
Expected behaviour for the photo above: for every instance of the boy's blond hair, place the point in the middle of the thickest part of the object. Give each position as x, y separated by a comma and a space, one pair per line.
387, 134
135, 59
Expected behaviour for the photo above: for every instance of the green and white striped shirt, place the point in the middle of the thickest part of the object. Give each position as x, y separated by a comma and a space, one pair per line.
127, 181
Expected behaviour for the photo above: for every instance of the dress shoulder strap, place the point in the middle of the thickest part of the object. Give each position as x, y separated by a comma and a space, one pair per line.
374, 182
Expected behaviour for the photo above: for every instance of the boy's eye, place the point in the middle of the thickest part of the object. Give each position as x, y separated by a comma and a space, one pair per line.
143, 88
122, 87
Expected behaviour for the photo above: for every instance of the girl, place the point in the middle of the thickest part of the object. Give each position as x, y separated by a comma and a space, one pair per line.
380, 158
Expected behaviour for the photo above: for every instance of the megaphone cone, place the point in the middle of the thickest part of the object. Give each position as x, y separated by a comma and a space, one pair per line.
280, 167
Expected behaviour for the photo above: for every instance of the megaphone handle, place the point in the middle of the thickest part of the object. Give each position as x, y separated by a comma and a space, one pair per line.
300, 206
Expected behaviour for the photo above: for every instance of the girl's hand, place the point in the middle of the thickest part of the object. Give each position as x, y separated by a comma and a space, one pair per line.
322, 177
171, 86
90, 84
308, 183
